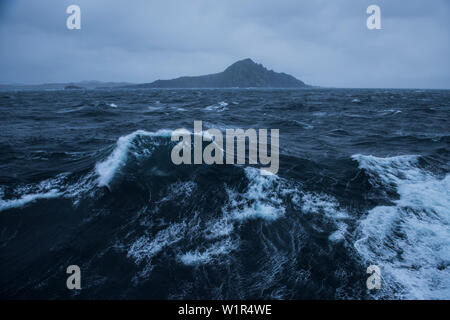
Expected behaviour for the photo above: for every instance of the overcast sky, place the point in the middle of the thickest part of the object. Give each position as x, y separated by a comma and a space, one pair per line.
322, 42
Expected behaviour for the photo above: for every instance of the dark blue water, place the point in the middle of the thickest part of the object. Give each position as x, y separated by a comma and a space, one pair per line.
364, 179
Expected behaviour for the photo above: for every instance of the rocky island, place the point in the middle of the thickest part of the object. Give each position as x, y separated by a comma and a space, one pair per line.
73, 87
241, 74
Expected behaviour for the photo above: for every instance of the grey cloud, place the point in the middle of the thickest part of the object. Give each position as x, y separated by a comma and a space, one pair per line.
322, 42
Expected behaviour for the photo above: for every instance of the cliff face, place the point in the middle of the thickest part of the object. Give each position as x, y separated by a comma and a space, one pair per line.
241, 74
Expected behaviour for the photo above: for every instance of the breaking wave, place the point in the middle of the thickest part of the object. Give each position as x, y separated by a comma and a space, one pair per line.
126, 146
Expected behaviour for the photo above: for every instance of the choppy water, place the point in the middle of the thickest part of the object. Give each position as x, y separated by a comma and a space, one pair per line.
364, 179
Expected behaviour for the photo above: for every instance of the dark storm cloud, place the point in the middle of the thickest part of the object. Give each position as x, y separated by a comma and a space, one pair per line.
321, 42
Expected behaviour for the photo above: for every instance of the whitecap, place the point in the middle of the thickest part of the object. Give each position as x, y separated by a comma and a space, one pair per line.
153, 108
219, 107
390, 112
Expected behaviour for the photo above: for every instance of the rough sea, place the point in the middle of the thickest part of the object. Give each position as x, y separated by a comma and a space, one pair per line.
86, 179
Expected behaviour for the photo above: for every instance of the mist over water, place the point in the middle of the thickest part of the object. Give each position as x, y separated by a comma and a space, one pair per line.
86, 178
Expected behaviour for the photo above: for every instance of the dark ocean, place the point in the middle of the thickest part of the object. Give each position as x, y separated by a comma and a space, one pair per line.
363, 180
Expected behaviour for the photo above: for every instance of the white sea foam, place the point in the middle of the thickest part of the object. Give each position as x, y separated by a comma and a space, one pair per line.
322, 203
261, 200
339, 234
27, 198
409, 240
219, 228
82, 188
210, 254
328, 207
145, 248
180, 191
